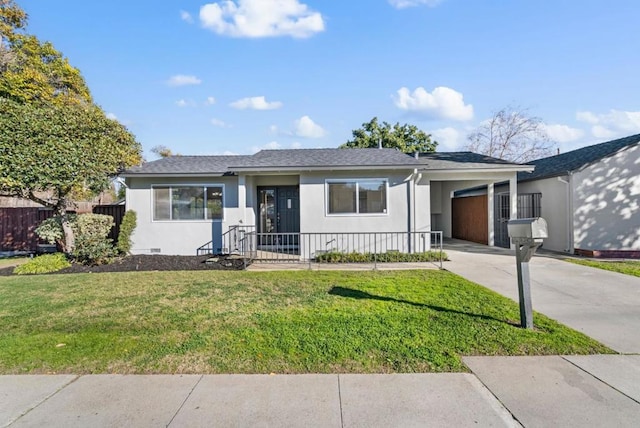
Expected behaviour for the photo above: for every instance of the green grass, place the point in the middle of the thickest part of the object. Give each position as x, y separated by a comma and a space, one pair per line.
252, 322
626, 267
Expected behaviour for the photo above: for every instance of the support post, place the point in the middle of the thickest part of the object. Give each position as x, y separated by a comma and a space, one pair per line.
524, 252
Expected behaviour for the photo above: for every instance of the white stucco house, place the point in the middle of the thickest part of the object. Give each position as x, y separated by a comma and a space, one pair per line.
188, 202
590, 198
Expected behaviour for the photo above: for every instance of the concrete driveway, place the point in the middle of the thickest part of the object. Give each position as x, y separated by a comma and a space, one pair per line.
604, 305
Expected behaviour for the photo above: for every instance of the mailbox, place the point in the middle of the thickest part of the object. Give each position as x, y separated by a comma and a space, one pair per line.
526, 235
528, 229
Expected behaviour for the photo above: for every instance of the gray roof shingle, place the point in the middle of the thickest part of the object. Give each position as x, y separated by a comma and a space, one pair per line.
187, 165
315, 158
270, 159
462, 160
558, 165
318, 158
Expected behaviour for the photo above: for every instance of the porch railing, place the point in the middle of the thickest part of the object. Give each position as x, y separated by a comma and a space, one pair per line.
346, 247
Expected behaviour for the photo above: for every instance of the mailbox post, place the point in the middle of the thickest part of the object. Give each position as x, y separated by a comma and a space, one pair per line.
527, 234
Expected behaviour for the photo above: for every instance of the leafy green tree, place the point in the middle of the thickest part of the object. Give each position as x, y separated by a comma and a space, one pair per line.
59, 148
406, 138
33, 71
52, 136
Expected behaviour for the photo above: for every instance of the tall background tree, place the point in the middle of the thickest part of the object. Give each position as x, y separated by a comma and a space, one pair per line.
53, 137
511, 134
406, 138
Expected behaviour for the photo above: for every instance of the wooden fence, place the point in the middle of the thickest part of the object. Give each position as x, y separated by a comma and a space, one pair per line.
18, 225
115, 211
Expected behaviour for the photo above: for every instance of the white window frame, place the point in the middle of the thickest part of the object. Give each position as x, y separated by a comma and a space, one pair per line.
356, 181
204, 186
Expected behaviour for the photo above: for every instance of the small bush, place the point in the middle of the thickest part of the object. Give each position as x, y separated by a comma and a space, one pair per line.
92, 247
126, 229
43, 264
388, 257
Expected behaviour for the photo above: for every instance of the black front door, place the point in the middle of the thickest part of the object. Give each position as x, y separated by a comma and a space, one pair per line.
279, 215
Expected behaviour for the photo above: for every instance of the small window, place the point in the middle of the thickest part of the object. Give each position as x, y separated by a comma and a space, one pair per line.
187, 203
365, 196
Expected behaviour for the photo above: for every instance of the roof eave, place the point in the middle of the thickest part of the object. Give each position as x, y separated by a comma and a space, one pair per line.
322, 168
523, 168
172, 174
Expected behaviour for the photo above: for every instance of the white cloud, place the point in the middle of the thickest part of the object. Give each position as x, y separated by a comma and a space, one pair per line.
261, 18
183, 80
443, 103
296, 145
600, 131
220, 123
563, 133
612, 124
186, 16
185, 103
403, 4
255, 103
448, 139
210, 101
111, 116
307, 128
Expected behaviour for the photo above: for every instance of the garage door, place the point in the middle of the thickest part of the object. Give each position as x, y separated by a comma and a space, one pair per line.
470, 219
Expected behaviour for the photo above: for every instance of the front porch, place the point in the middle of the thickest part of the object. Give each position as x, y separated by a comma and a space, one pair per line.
320, 247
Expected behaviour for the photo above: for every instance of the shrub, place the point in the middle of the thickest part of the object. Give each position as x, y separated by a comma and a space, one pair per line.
92, 246
126, 229
43, 264
388, 257
50, 230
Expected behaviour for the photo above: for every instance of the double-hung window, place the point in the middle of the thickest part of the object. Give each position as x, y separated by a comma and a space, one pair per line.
188, 202
356, 196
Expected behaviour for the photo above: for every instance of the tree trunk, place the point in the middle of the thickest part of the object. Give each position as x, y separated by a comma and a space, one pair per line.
68, 245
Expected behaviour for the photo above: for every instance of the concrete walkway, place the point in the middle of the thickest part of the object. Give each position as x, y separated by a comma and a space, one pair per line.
249, 400
574, 391
604, 305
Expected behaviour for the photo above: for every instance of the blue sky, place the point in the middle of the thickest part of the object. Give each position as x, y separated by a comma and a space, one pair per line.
237, 76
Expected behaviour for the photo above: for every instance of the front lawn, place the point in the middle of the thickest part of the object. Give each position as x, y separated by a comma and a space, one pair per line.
626, 267
252, 322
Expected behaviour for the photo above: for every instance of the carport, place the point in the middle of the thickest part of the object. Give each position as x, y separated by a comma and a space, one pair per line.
472, 217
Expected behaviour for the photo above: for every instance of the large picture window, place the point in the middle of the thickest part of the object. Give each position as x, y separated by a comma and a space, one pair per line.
187, 202
360, 196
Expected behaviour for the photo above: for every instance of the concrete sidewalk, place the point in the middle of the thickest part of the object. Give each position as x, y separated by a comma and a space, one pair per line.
604, 305
402, 400
573, 391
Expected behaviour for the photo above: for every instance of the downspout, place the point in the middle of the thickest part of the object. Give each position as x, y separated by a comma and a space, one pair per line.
569, 185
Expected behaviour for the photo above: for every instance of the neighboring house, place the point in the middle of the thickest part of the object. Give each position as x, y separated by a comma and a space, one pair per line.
590, 198
183, 202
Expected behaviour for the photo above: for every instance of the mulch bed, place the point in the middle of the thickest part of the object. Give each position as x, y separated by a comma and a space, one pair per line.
155, 262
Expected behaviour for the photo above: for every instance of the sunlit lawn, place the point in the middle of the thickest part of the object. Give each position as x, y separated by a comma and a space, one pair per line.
626, 267
252, 322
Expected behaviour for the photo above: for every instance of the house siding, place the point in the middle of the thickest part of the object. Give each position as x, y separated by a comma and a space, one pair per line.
313, 212
177, 237
555, 210
606, 199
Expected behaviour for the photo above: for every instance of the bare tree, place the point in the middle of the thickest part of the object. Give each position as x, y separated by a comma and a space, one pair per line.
513, 135
163, 151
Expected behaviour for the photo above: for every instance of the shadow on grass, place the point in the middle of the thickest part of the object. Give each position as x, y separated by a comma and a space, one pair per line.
357, 294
